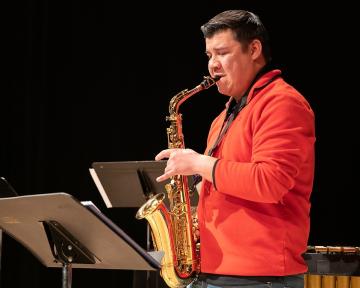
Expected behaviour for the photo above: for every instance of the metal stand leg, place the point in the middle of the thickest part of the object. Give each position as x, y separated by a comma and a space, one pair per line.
1, 238
66, 276
148, 249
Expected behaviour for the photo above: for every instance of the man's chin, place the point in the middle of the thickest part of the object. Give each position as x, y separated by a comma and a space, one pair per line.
221, 90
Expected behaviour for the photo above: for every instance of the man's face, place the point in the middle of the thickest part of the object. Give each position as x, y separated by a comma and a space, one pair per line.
228, 59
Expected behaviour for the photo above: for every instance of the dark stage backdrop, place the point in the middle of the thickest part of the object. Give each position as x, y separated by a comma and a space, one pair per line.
91, 81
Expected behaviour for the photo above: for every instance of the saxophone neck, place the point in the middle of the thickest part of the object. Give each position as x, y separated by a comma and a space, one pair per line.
180, 98
185, 94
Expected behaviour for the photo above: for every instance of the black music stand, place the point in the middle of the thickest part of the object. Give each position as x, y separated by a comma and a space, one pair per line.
129, 184
61, 231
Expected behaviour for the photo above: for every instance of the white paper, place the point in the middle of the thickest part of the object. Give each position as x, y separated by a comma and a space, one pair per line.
100, 188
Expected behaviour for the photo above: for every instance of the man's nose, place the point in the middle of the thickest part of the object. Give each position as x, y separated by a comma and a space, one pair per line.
214, 63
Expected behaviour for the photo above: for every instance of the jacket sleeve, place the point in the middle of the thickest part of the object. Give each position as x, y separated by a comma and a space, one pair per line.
283, 137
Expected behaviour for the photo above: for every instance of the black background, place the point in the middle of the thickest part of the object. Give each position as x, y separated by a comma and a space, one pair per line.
91, 81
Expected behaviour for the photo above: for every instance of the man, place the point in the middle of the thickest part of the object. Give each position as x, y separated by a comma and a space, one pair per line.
258, 167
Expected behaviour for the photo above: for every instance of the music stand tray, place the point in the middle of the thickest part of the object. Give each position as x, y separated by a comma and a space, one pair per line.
130, 183
127, 183
60, 231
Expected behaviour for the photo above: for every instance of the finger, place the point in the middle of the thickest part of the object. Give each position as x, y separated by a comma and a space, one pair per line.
162, 177
163, 154
167, 174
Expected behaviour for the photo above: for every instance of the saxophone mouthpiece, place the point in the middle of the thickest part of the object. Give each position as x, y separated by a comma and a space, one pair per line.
209, 81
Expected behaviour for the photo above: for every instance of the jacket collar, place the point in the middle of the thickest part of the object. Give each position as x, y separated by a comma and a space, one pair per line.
259, 84
262, 82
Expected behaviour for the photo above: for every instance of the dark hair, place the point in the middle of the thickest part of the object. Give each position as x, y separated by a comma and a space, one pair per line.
246, 27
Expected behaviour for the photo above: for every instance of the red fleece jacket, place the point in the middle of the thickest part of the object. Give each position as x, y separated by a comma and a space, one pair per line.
254, 218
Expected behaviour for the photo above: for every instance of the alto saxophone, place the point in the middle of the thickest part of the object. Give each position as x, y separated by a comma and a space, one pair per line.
172, 228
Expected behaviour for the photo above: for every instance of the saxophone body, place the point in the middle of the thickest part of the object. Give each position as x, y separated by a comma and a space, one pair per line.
172, 228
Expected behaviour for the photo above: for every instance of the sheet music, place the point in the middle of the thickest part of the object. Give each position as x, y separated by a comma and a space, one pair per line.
100, 188
90, 203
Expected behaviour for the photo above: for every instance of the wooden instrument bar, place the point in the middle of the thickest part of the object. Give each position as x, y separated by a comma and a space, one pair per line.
332, 267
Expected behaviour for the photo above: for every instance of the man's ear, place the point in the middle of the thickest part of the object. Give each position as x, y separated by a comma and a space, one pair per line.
255, 49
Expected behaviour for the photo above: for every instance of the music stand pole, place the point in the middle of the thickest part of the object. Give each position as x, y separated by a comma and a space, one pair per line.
1, 239
66, 276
